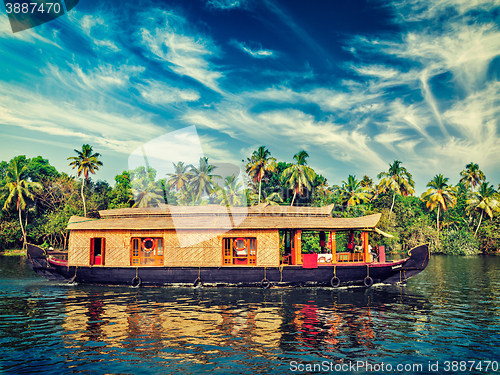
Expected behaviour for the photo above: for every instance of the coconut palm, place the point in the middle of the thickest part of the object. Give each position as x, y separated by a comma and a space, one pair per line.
440, 195
298, 176
259, 166
19, 191
147, 191
484, 200
353, 193
231, 194
179, 180
273, 198
366, 182
472, 176
86, 162
397, 179
201, 181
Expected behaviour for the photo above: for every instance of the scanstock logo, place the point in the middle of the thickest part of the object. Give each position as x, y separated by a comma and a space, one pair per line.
26, 14
218, 208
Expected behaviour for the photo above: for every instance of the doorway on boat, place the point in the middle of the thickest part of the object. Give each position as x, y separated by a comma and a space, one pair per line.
97, 251
146, 251
239, 251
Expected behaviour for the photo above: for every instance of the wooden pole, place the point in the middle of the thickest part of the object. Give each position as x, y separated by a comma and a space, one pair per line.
333, 247
366, 252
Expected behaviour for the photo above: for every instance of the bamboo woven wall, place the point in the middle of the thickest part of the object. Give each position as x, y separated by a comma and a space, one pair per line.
117, 252
268, 244
205, 249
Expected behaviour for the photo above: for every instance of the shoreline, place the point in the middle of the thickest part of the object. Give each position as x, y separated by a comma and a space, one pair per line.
13, 252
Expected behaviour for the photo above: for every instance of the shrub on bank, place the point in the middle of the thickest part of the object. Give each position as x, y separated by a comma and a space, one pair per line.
459, 242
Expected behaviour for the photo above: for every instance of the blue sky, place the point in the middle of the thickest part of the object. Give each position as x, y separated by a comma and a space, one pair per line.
357, 84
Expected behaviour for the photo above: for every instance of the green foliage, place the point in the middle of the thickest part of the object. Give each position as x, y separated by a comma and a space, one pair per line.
459, 242
310, 242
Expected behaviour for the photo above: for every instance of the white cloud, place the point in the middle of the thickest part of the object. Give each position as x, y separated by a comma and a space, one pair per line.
117, 131
167, 37
103, 76
416, 10
462, 49
157, 92
257, 53
476, 116
227, 4
97, 27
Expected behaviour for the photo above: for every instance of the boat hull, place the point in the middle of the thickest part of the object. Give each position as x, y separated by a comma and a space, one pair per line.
323, 275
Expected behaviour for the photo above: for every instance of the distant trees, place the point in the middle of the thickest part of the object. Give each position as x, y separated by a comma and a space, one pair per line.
397, 179
485, 200
353, 192
472, 176
260, 165
19, 192
298, 177
439, 195
38, 201
85, 162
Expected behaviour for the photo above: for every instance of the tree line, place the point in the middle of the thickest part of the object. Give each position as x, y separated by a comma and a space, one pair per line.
37, 200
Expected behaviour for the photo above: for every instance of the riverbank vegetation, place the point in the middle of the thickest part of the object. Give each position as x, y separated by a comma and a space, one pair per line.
462, 219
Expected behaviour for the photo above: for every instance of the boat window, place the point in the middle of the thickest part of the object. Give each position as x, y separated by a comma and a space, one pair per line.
239, 251
146, 251
97, 251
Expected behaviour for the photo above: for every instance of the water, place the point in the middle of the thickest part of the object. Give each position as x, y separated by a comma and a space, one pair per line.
450, 312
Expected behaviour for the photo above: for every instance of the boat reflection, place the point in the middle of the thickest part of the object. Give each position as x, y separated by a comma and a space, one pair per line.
194, 324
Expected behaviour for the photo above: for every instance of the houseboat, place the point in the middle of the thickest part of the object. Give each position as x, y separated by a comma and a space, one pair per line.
225, 246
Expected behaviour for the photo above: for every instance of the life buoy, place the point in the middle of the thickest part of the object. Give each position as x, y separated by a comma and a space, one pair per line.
145, 247
136, 282
368, 281
236, 244
265, 284
335, 282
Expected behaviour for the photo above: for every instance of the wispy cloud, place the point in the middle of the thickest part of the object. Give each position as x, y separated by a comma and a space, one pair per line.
416, 10
117, 131
167, 37
227, 4
258, 53
156, 92
103, 76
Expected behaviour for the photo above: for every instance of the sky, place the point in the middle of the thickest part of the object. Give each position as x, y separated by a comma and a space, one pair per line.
357, 84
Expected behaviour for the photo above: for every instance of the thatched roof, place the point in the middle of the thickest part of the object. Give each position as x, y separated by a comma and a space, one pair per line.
262, 209
221, 218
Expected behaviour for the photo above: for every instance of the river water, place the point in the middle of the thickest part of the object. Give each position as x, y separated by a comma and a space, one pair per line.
448, 313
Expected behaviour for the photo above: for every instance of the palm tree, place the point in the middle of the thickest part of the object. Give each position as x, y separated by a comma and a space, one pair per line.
180, 178
298, 176
472, 175
201, 181
147, 193
439, 195
231, 194
397, 179
259, 165
353, 193
273, 198
484, 200
19, 191
86, 162
366, 182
